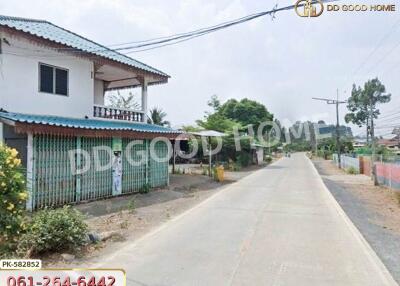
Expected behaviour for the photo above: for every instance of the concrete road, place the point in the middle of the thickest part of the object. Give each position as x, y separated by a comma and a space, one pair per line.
278, 226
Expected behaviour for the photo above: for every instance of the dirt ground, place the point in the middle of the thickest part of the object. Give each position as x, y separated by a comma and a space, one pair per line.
127, 218
382, 200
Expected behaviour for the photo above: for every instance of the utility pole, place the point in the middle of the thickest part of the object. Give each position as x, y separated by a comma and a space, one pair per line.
372, 134
337, 127
396, 131
336, 102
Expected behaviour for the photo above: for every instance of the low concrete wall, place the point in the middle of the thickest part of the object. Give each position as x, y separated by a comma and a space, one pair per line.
347, 162
388, 175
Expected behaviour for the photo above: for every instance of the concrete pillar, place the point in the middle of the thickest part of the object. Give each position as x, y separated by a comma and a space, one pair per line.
144, 99
1, 132
78, 165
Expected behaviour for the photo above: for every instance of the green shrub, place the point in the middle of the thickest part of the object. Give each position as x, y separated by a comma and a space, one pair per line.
214, 173
352, 171
54, 230
268, 159
131, 205
244, 159
237, 167
13, 198
144, 189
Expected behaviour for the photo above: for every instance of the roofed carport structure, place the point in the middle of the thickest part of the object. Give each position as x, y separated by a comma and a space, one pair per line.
45, 144
45, 124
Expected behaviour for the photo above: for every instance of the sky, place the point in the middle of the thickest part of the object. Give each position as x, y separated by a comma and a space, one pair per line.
281, 63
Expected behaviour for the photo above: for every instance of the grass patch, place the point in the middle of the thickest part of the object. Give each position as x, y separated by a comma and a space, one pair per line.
352, 171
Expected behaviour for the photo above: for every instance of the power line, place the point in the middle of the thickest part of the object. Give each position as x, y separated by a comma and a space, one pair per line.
391, 112
178, 34
388, 126
388, 119
159, 42
384, 57
211, 29
374, 50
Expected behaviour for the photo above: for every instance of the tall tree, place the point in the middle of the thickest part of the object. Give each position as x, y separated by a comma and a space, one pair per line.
218, 122
214, 102
157, 116
234, 113
246, 112
362, 100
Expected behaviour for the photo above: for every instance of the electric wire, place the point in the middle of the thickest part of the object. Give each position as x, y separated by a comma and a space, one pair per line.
159, 42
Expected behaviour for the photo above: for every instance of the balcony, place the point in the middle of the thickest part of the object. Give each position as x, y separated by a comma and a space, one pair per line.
107, 112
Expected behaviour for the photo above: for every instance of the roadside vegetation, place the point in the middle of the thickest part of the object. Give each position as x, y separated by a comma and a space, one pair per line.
351, 171
54, 230
13, 198
229, 116
22, 235
363, 103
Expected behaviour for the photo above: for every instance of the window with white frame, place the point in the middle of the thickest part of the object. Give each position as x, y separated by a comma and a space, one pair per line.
53, 79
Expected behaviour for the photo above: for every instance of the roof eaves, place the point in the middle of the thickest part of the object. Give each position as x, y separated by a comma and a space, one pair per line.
89, 124
149, 69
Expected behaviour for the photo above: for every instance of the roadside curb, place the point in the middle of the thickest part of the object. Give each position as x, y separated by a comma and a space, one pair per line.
371, 254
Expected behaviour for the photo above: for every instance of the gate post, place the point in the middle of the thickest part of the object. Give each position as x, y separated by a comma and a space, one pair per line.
147, 161
29, 173
78, 165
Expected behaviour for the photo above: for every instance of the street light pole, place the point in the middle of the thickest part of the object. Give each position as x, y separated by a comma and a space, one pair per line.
336, 102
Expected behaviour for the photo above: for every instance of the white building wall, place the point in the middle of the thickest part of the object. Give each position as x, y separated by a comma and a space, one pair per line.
19, 81
98, 92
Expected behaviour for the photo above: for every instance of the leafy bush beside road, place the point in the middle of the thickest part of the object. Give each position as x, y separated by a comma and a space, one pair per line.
13, 197
54, 230
352, 171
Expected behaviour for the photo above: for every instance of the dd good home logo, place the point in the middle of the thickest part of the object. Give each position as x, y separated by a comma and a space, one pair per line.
309, 8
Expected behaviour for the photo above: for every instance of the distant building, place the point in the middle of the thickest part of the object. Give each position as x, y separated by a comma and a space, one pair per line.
359, 142
391, 144
325, 130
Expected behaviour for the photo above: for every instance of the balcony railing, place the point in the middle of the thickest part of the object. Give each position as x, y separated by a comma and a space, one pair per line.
117, 113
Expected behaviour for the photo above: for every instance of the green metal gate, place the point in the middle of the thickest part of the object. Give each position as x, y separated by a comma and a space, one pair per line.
134, 176
53, 182
158, 171
96, 183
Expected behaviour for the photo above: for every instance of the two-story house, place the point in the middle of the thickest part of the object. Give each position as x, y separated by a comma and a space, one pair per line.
52, 88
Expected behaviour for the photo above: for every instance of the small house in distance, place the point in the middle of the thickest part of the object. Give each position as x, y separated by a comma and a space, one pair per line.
52, 88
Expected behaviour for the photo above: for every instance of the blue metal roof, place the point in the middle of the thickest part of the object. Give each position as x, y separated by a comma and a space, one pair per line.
94, 124
49, 31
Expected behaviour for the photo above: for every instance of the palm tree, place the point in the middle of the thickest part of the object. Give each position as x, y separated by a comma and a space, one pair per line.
157, 116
